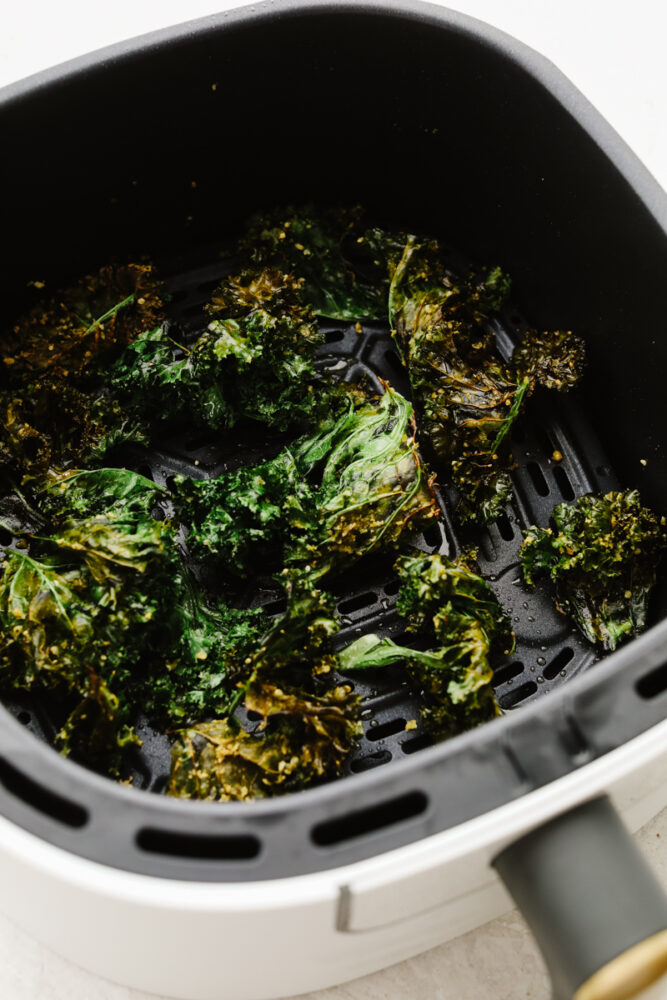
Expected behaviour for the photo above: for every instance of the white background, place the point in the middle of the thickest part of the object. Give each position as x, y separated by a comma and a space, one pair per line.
615, 52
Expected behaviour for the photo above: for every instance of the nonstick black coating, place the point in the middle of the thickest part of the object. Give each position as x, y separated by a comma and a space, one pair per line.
441, 125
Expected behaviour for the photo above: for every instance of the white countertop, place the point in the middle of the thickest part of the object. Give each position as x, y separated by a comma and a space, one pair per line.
615, 53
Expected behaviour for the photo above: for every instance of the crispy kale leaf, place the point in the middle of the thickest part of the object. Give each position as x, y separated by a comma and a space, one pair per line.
104, 612
203, 643
301, 738
602, 555
467, 397
156, 380
52, 424
296, 648
308, 726
255, 361
84, 492
210, 649
264, 331
54, 413
81, 614
372, 489
449, 603
327, 251
77, 331
256, 509
355, 486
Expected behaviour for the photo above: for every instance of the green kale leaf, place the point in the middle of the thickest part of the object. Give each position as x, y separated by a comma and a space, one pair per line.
355, 486
451, 606
52, 424
264, 333
467, 397
602, 554
254, 509
71, 336
254, 362
80, 493
81, 615
301, 738
309, 724
327, 251
373, 490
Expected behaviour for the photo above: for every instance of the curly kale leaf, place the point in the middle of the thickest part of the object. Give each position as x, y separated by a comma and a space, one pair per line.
327, 251
297, 645
81, 615
302, 738
450, 604
202, 645
602, 555
53, 424
436, 593
211, 645
308, 725
157, 381
54, 415
264, 333
80, 493
296, 649
355, 486
554, 360
103, 611
254, 362
253, 509
468, 397
373, 489
71, 336
259, 293
109, 546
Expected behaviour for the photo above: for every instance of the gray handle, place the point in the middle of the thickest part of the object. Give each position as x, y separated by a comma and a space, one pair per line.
592, 903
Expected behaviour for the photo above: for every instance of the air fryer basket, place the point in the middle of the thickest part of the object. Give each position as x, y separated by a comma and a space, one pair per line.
439, 125
549, 649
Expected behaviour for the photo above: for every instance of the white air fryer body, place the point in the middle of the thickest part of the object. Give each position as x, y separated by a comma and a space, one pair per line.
278, 938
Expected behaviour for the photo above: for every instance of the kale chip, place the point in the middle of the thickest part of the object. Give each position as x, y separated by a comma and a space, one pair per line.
327, 251
55, 412
309, 723
301, 738
71, 336
254, 362
602, 554
102, 610
466, 396
456, 611
355, 486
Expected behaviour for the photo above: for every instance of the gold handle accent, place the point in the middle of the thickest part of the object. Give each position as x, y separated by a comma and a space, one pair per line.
628, 974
